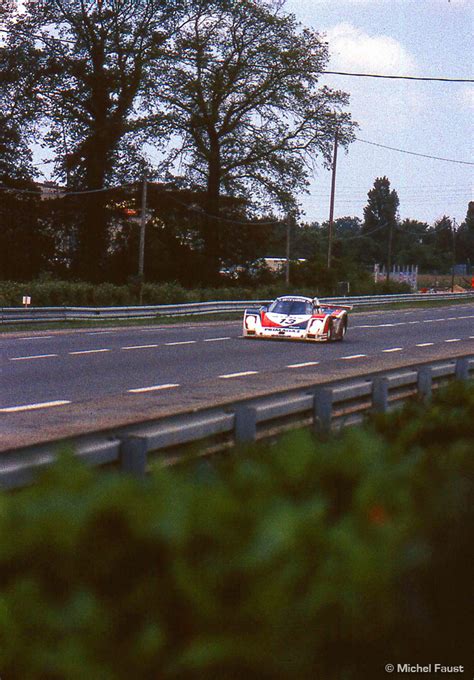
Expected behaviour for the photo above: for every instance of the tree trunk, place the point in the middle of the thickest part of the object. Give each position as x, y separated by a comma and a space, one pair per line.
211, 219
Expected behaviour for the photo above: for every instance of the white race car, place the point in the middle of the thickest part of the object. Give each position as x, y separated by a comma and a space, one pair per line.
298, 318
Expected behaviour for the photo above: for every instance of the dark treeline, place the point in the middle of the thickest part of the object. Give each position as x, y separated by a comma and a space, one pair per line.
217, 103
217, 98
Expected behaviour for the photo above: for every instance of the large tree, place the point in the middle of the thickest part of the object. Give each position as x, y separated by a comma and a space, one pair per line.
243, 96
98, 62
380, 222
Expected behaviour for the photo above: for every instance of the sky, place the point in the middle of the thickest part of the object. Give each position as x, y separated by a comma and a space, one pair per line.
399, 37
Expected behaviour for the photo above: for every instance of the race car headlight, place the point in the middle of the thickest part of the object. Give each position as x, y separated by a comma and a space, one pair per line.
250, 322
315, 325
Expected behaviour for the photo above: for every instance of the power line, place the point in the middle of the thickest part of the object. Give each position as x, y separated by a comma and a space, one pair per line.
413, 153
62, 193
393, 77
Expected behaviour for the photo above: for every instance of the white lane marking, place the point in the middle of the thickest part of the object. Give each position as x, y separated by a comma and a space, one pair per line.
425, 344
431, 320
383, 325
393, 349
37, 337
237, 375
154, 330
139, 347
216, 339
355, 356
303, 365
100, 332
453, 340
183, 342
412, 322
34, 356
89, 351
32, 407
152, 388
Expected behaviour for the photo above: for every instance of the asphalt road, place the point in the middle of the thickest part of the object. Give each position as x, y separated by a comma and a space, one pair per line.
59, 383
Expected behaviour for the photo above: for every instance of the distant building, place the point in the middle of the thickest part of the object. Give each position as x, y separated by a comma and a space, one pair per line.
50, 190
277, 264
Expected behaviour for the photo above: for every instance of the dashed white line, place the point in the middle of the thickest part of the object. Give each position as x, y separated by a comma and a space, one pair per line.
33, 407
37, 337
89, 351
152, 388
303, 365
34, 356
425, 344
215, 339
139, 347
100, 332
183, 342
237, 375
393, 349
354, 356
453, 340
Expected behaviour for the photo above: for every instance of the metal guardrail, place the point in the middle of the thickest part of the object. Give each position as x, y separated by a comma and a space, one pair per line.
54, 314
320, 406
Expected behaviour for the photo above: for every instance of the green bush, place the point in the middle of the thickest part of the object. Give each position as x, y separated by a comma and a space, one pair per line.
295, 560
45, 293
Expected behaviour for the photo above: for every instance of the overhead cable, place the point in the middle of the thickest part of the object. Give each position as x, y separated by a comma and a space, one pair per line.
413, 153
394, 77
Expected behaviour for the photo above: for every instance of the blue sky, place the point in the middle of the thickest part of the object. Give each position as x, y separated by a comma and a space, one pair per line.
399, 37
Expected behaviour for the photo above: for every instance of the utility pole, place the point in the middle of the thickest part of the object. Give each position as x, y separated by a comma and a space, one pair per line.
389, 250
333, 194
287, 269
141, 248
453, 254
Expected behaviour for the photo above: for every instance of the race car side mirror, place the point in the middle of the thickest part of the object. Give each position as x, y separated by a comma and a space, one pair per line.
264, 308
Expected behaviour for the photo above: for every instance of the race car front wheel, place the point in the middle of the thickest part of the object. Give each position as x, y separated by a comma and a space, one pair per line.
343, 329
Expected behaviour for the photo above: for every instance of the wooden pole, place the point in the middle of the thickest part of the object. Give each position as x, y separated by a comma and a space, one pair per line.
333, 194
141, 248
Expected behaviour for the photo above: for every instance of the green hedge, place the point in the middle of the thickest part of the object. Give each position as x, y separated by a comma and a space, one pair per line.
78, 294
296, 560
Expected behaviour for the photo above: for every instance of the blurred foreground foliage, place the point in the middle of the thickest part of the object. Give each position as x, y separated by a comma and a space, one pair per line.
300, 559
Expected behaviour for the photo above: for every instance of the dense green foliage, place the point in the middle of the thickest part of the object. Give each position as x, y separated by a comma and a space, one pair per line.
70, 293
295, 560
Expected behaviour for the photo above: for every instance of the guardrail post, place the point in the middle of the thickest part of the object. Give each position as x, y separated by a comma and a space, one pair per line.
424, 383
462, 368
379, 394
133, 456
322, 411
245, 425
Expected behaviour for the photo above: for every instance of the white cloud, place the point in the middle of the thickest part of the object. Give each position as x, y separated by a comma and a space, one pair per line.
467, 96
375, 103
353, 49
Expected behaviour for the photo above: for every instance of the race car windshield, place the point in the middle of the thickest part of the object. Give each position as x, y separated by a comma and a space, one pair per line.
290, 307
